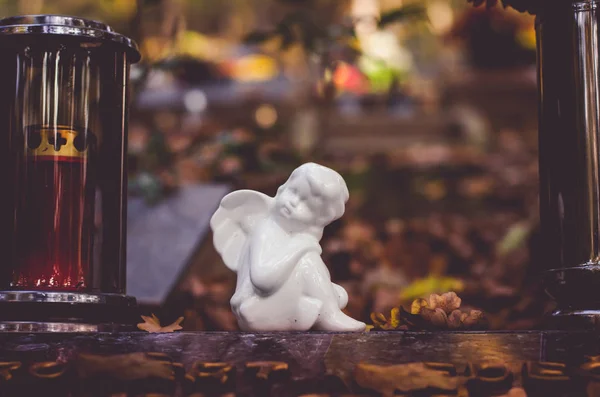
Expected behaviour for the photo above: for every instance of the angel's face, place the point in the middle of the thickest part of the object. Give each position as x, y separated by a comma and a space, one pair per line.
297, 203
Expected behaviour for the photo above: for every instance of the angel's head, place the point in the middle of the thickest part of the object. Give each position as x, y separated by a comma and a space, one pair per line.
312, 197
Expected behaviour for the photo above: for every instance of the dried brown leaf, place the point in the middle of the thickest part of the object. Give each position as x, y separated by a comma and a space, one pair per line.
124, 367
515, 392
452, 302
441, 311
152, 324
439, 318
173, 327
6, 369
454, 319
219, 371
403, 378
434, 301
474, 318
448, 302
264, 369
427, 314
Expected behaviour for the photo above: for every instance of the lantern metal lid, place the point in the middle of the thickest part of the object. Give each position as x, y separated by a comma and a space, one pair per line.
67, 26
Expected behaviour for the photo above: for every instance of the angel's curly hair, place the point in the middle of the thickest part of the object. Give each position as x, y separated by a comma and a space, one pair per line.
324, 182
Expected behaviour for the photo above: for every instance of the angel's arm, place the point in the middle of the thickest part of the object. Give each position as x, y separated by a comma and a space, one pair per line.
317, 282
269, 274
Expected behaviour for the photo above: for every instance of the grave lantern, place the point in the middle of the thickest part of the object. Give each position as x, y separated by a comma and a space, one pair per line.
63, 122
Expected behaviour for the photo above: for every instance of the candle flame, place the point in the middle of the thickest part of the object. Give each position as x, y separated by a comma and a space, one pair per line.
56, 280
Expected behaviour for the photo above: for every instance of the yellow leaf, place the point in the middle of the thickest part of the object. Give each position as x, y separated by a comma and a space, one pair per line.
254, 68
430, 285
328, 75
527, 38
173, 327
378, 319
417, 305
152, 324
395, 317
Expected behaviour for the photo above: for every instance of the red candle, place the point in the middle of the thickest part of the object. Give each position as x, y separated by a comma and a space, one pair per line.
55, 202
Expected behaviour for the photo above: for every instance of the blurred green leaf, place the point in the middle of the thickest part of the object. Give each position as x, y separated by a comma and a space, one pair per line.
431, 285
514, 238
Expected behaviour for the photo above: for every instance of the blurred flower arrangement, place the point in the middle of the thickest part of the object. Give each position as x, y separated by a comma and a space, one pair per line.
350, 60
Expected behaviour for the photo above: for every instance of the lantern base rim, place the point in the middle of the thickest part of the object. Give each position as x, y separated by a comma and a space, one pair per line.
573, 320
66, 297
54, 311
574, 287
63, 327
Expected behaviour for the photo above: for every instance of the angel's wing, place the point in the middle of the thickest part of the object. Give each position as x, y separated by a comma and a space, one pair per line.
234, 219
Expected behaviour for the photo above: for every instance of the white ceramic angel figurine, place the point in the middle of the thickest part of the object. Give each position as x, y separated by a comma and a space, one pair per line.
273, 245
